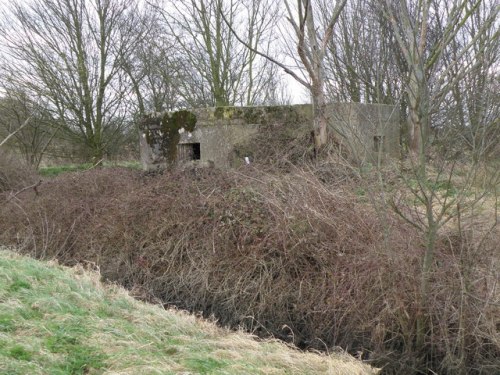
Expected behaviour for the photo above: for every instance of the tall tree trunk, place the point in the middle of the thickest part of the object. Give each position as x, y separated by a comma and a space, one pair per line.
320, 120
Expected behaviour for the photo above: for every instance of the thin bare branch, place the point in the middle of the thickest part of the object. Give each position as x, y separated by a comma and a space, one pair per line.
26, 122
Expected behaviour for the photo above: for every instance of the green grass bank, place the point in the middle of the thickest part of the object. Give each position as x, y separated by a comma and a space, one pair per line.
58, 320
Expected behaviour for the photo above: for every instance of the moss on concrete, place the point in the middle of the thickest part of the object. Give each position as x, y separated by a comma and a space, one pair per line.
171, 123
219, 113
253, 115
250, 115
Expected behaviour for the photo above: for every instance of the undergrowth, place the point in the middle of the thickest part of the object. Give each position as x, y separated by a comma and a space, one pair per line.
300, 256
14, 174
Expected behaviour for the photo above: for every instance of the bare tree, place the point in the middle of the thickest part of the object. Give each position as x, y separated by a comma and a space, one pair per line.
154, 67
441, 60
68, 53
362, 57
472, 105
425, 32
27, 124
215, 60
311, 50
424, 45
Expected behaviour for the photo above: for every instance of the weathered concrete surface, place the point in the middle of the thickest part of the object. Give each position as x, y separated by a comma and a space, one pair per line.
370, 132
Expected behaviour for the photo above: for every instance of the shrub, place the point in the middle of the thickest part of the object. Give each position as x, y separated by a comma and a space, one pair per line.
279, 254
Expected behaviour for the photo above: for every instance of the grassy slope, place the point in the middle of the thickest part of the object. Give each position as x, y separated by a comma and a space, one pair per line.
55, 320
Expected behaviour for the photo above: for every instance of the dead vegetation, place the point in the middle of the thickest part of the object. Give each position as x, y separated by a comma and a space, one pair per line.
281, 254
14, 174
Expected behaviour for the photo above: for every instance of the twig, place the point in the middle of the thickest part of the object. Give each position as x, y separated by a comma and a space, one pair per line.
15, 131
34, 187
96, 164
267, 57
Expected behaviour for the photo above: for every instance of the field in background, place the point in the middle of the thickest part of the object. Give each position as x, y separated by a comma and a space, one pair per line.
56, 320
55, 170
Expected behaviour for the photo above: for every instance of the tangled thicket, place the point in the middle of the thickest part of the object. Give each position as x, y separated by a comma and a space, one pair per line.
281, 254
14, 174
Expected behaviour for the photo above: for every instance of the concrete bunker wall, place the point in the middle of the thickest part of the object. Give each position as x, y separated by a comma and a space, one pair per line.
207, 136
369, 131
